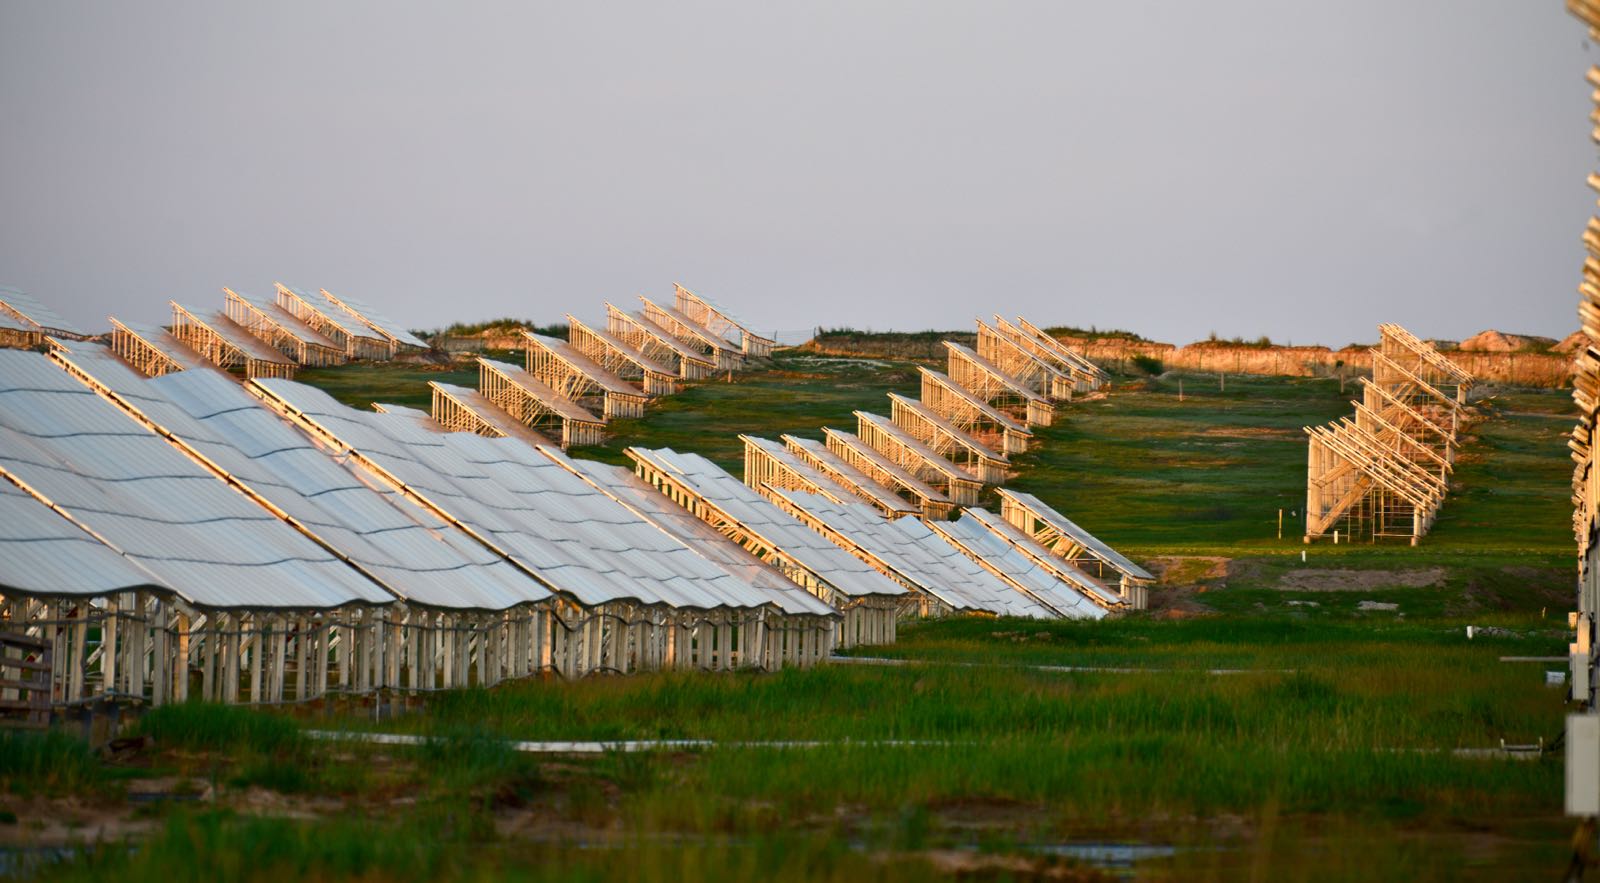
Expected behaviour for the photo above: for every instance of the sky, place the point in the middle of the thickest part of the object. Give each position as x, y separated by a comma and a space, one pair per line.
1298, 169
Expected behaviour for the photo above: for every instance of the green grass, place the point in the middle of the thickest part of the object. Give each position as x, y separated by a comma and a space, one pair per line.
798, 394
46, 762
361, 384
1328, 757
1348, 750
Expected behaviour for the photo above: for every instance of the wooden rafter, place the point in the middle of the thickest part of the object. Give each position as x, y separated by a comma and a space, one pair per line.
623, 359
977, 417
575, 376
948, 440
710, 344
1023, 364
986, 381
934, 503
533, 403
816, 455
708, 315
659, 345
275, 326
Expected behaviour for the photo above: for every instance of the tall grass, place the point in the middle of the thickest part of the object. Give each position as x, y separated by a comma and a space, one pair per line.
49, 762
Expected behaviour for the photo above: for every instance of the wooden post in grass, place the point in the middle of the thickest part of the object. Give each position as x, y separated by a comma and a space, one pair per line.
1280, 524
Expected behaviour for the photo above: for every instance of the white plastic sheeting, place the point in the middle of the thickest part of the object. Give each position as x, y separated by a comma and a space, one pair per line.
1039, 554
36, 312
530, 508
621, 484
1091, 544
971, 536
144, 498
42, 553
408, 549
920, 557
846, 574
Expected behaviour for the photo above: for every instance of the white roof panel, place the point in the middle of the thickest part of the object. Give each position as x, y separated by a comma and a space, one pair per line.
550, 520
972, 537
202, 538
377, 321
921, 557
1091, 544
36, 312
847, 574
42, 553
637, 494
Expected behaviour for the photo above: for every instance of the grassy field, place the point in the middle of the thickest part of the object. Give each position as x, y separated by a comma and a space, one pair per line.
1271, 719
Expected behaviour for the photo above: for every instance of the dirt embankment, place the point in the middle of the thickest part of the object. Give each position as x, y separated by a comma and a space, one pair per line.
1519, 368
921, 346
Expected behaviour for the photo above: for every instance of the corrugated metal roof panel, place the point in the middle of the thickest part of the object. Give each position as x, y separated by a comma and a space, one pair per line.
34, 311
42, 553
1062, 568
159, 508
527, 505
379, 322
972, 537
847, 574
920, 556
704, 539
1099, 550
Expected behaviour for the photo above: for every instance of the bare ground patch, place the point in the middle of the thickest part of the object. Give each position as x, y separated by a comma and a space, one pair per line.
1343, 580
1186, 570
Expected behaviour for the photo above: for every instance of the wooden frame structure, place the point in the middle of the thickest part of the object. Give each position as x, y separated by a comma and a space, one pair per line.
535, 404
23, 314
1062, 538
929, 604
1083, 380
906, 451
399, 338
220, 341
984, 380
868, 620
623, 359
949, 441
768, 465
144, 351
933, 503
711, 344
565, 369
816, 455
1023, 365
359, 340
1066, 355
459, 409
1384, 472
279, 329
658, 345
18, 333
701, 311
1059, 567
973, 415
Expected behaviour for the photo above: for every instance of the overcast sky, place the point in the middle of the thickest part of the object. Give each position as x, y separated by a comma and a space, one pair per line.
1299, 169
